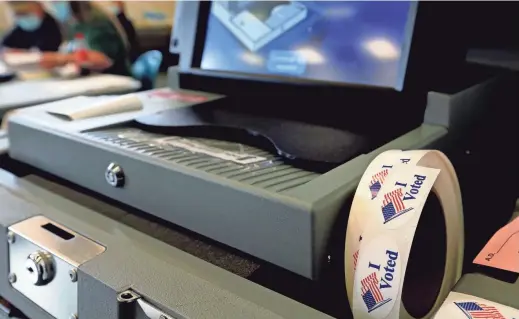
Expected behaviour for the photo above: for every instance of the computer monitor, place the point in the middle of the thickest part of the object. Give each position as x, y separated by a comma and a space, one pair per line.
339, 42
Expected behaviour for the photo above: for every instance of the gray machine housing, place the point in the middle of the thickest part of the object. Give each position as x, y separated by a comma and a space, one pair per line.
285, 219
176, 284
289, 228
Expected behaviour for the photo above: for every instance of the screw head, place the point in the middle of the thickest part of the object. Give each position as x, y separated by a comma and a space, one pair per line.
73, 316
12, 278
11, 238
73, 275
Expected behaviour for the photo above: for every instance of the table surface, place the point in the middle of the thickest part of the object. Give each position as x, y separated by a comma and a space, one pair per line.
16, 94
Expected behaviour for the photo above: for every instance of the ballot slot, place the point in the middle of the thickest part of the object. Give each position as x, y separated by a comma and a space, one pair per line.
225, 152
60, 232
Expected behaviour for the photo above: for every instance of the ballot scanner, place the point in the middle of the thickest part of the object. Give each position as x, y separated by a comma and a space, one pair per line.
269, 122
277, 195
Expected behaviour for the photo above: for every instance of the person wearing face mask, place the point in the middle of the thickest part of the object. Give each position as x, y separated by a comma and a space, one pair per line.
104, 40
34, 28
117, 8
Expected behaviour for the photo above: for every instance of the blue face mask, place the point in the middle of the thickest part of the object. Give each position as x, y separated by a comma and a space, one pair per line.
29, 22
61, 11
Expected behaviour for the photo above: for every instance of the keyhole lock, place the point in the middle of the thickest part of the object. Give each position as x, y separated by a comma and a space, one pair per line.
40, 267
114, 175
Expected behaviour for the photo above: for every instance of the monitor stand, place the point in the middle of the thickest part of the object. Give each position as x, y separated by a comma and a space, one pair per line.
291, 139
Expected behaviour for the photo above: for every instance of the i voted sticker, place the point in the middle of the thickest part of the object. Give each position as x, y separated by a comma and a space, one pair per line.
378, 277
404, 200
385, 212
378, 179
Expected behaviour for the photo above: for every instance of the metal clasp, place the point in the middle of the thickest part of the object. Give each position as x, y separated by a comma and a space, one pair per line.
130, 303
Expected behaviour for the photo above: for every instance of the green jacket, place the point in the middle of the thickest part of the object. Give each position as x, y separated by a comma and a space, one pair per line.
101, 35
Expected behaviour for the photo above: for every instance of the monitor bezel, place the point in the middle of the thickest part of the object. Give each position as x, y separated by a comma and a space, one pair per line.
191, 22
435, 54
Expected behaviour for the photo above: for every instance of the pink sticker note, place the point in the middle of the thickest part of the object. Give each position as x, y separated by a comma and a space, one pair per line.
178, 96
502, 250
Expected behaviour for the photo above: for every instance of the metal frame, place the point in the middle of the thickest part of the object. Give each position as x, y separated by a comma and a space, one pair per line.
175, 282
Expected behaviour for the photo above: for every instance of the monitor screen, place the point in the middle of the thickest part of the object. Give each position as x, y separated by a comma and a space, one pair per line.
363, 43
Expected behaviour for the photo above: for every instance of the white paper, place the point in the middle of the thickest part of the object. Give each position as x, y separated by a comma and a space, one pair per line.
99, 83
72, 110
21, 59
463, 306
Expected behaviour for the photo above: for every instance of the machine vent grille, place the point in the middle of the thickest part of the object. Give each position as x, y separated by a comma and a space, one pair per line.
268, 171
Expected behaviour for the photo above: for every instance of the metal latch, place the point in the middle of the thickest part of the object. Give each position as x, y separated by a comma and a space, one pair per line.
132, 305
44, 258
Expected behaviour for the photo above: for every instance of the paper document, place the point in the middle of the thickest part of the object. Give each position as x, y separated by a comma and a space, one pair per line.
104, 83
83, 107
502, 250
21, 59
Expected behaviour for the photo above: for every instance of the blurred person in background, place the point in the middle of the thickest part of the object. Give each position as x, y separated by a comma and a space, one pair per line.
118, 10
34, 28
105, 45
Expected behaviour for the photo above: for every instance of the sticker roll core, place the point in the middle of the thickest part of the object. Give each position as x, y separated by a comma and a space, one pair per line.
405, 224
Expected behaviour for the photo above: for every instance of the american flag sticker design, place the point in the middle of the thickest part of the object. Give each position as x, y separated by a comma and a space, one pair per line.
393, 205
355, 259
476, 310
377, 181
371, 294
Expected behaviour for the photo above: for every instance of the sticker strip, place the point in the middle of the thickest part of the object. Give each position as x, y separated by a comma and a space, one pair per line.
383, 218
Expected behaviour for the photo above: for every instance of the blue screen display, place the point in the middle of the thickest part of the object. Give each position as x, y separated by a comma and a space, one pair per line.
365, 43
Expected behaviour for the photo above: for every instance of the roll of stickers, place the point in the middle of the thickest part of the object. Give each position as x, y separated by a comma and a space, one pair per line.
388, 225
462, 306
